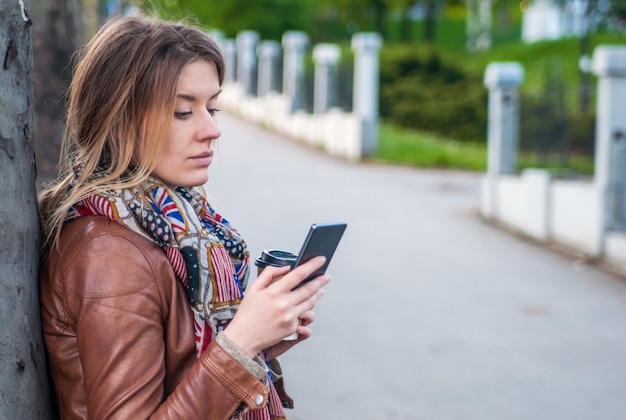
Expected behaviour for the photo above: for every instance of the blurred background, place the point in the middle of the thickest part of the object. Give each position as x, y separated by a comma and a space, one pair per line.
433, 103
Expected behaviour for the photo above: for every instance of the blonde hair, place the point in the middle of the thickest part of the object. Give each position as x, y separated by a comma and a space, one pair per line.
120, 101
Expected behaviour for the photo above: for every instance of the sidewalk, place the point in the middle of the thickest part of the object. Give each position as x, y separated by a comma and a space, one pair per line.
432, 314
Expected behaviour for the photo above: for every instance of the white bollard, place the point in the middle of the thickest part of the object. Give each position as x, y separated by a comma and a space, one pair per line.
503, 80
295, 44
366, 85
269, 70
609, 64
247, 60
229, 51
325, 57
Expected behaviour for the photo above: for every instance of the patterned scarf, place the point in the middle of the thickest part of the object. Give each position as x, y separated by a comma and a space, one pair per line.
208, 255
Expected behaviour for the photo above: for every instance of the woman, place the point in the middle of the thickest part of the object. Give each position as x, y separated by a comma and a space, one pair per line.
142, 282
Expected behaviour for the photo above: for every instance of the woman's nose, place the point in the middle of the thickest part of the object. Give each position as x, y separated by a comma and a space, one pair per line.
209, 129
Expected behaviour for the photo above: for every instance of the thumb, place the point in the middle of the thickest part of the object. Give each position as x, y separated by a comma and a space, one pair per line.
268, 276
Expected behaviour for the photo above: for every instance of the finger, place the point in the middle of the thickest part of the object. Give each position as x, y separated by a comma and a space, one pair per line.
307, 318
309, 289
268, 276
297, 275
309, 302
304, 332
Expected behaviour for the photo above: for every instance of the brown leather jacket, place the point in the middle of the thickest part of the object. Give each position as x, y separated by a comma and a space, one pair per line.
120, 339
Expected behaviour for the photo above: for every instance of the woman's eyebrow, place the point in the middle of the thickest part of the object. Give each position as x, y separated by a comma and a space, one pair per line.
192, 98
186, 96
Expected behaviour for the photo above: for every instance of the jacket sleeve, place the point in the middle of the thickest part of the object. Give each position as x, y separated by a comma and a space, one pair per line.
116, 295
231, 388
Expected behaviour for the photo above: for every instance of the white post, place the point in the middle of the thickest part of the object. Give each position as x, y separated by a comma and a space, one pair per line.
247, 60
366, 84
229, 50
502, 80
295, 44
217, 36
609, 64
325, 57
269, 61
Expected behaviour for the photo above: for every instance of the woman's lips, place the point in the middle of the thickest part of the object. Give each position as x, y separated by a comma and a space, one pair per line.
203, 159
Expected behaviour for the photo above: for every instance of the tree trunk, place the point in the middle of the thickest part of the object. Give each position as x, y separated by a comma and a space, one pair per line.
380, 16
478, 36
406, 25
56, 34
24, 385
429, 22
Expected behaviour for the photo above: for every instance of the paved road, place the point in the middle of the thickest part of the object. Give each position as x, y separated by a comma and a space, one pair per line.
432, 314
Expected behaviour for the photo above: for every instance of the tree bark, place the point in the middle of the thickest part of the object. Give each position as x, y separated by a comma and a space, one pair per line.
56, 33
24, 384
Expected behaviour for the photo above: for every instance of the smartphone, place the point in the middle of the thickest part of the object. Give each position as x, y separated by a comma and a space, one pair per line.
322, 239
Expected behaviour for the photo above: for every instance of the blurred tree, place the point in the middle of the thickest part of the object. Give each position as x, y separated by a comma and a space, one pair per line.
429, 11
403, 8
271, 18
323, 20
363, 15
92, 17
430, 7
478, 25
618, 11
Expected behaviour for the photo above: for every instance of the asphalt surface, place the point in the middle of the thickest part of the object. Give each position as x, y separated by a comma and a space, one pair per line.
432, 313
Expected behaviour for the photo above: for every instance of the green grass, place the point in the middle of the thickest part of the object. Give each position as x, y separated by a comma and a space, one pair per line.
424, 150
576, 165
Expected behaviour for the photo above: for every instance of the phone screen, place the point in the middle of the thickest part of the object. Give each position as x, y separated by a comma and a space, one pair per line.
322, 239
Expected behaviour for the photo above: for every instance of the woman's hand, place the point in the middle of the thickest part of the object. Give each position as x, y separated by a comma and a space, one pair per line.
303, 333
271, 310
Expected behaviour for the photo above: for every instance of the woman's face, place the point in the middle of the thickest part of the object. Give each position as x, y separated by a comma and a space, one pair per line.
188, 148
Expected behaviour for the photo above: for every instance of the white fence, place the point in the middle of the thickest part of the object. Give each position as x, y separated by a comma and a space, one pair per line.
587, 216
252, 92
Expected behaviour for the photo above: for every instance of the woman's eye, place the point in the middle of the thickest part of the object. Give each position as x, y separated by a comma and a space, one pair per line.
182, 115
213, 111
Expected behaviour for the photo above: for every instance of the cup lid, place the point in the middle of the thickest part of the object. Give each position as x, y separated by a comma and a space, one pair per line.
276, 258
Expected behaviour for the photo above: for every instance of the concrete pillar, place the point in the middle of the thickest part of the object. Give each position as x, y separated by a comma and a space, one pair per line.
366, 84
325, 57
217, 36
269, 67
247, 60
609, 64
229, 50
295, 44
503, 80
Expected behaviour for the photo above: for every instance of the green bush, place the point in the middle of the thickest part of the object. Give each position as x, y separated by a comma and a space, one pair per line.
422, 90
